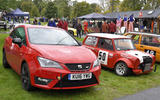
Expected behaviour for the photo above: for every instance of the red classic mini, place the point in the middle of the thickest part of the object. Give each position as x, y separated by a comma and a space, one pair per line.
50, 58
118, 52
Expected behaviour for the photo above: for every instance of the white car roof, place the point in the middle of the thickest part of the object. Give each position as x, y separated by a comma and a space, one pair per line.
142, 33
107, 35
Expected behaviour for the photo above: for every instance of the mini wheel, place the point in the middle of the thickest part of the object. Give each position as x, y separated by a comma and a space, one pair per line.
122, 69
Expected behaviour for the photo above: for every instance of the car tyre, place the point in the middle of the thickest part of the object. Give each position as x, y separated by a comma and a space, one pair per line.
5, 62
122, 69
25, 78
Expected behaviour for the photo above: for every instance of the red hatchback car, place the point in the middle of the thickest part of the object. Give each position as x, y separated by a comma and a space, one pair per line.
118, 52
50, 58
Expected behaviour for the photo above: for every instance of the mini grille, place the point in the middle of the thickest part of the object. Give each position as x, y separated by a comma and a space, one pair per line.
147, 59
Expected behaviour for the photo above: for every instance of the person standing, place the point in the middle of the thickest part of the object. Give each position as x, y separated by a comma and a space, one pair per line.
65, 25
112, 27
52, 23
100, 26
60, 23
104, 27
35, 22
118, 24
79, 28
131, 20
125, 20
85, 27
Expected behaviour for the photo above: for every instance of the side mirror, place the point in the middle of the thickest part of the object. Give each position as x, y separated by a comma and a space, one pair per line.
17, 41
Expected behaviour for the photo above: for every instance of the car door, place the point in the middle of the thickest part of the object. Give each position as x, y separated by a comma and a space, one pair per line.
17, 50
151, 44
9, 47
91, 43
105, 52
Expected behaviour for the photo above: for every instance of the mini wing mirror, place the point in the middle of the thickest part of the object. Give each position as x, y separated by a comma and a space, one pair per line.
17, 41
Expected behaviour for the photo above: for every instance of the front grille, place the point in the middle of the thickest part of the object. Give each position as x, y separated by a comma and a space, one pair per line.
146, 60
64, 82
78, 66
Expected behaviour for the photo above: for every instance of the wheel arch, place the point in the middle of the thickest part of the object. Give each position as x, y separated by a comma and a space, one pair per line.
23, 62
126, 61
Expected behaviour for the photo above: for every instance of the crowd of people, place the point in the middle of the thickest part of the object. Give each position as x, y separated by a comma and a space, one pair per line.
128, 24
60, 23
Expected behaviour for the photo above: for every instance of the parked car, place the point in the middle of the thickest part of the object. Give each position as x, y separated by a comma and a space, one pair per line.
146, 42
50, 58
72, 31
118, 52
3, 24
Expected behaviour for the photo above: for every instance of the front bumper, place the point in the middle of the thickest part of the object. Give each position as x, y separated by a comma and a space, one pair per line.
140, 71
58, 78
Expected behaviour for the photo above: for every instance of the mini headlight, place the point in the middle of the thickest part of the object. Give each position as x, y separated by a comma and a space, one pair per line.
48, 63
96, 63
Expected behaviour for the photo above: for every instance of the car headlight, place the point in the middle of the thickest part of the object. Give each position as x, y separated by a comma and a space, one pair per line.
96, 63
48, 63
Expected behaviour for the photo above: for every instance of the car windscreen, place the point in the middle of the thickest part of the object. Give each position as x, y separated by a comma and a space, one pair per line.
48, 36
124, 44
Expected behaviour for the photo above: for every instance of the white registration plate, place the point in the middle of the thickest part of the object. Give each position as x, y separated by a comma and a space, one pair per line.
147, 67
81, 76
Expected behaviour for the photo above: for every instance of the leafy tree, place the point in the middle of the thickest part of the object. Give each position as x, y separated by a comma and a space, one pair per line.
150, 4
43, 12
40, 4
34, 11
81, 8
96, 8
130, 5
63, 8
113, 5
3, 4
27, 6
51, 10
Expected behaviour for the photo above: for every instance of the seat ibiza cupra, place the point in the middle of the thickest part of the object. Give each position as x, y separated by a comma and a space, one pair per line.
49, 58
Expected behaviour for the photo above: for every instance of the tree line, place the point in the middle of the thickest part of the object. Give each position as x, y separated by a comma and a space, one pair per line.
72, 9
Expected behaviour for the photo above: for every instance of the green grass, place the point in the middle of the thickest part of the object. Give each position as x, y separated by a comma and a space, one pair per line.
111, 86
79, 39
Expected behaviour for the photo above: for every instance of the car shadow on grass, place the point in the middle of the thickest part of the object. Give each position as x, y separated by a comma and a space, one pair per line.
131, 74
36, 92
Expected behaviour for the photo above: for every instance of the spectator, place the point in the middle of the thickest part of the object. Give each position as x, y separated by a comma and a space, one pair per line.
125, 19
52, 23
65, 25
100, 26
118, 24
85, 23
136, 26
79, 28
104, 27
155, 27
112, 27
60, 23
131, 20
35, 22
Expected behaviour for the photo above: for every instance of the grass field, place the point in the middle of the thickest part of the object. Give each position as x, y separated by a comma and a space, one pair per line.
111, 86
